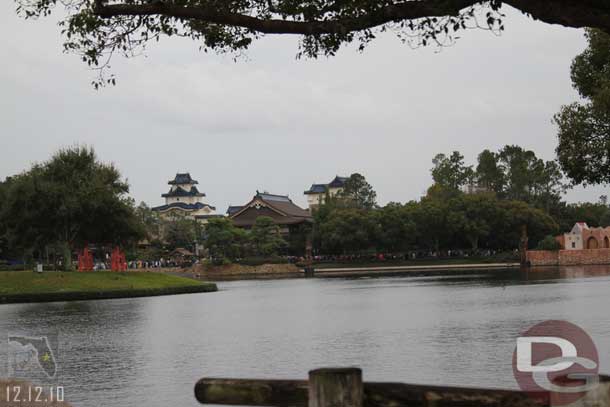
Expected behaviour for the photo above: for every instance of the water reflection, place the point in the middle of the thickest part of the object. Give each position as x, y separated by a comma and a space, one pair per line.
446, 329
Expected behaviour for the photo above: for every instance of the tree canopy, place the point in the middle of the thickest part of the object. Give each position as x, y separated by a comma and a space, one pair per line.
67, 201
451, 172
584, 128
358, 193
96, 29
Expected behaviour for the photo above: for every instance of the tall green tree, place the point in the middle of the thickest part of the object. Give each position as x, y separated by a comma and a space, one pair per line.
529, 178
470, 217
265, 237
224, 240
181, 232
519, 166
584, 128
396, 229
68, 201
509, 219
450, 171
358, 193
431, 221
489, 175
347, 231
150, 220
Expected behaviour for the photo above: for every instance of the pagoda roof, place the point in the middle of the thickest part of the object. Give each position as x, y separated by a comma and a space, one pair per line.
266, 196
290, 212
182, 178
337, 182
316, 189
179, 191
183, 206
233, 209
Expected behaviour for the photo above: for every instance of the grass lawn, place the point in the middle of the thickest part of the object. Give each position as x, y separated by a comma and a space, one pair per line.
28, 282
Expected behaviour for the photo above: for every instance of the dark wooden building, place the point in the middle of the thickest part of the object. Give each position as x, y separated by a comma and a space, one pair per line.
285, 213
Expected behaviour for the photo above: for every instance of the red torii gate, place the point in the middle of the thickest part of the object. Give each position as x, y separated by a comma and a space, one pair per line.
117, 260
85, 260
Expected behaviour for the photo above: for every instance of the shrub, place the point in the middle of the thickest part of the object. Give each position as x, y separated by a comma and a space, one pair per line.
549, 243
258, 261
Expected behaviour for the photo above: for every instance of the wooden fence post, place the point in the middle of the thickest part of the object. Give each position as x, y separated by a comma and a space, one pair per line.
338, 387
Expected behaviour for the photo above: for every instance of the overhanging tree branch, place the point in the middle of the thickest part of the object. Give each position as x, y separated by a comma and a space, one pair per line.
569, 13
97, 29
409, 10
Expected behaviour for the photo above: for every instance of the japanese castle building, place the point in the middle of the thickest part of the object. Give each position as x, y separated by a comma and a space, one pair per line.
185, 199
317, 192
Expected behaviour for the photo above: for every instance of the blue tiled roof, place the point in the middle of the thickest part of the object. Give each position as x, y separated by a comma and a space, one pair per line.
316, 189
234, 209
271, 197
183, 178
338, 182
182, 205
181, 192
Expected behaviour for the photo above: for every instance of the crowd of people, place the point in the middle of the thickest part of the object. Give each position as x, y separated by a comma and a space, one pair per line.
406, 256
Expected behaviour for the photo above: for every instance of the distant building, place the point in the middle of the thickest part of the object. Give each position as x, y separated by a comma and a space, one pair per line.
185, 199
473, 188
285, 213
317, 192
582, 237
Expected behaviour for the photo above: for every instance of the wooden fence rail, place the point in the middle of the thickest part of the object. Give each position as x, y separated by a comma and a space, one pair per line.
343, 387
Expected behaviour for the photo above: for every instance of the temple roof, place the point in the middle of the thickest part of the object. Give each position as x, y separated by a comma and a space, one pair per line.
179, 191
337, 182
183, 206
266, 196
233, 209
289, 212
182, 178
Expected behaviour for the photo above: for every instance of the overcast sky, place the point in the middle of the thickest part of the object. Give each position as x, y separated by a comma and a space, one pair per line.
271, 122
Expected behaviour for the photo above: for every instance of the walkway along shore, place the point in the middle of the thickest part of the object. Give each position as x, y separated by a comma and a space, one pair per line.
283, 271
390, 270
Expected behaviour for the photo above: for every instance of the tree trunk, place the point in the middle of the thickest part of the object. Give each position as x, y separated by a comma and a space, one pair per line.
523, 243
66, 252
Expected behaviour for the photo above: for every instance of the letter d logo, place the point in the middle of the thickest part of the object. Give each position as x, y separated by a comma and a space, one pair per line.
524, 353
556, 358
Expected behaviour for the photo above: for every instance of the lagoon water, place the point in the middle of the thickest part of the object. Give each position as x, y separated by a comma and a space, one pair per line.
457, 329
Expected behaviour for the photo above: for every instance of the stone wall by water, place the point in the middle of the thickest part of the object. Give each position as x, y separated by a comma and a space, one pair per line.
568, 257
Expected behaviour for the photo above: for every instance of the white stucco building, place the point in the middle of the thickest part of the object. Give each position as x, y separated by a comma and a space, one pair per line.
573, 240
583, 237
317, 192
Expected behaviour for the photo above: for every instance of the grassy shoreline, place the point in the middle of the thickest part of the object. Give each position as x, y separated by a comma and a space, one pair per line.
27, 286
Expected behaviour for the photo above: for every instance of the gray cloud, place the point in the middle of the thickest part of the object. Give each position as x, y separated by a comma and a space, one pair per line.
272, 122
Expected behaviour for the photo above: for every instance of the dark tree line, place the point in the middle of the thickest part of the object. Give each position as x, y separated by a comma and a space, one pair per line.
474, 207
442, 220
